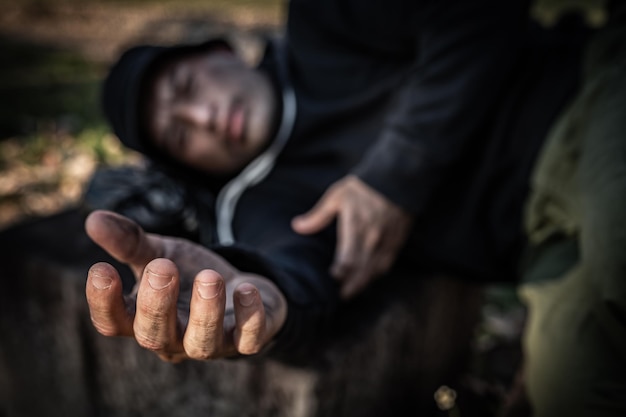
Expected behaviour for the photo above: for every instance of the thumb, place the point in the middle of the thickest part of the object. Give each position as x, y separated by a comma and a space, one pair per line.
320, 216
121, 238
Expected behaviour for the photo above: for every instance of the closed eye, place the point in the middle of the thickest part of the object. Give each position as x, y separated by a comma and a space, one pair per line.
183, 82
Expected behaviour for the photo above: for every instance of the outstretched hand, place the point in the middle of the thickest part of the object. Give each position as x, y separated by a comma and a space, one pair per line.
188, 302
371, 231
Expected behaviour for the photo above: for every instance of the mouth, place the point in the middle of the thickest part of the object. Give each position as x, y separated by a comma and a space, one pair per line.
236, 124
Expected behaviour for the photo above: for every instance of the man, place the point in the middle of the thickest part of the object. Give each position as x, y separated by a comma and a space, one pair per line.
202, 111
173, 106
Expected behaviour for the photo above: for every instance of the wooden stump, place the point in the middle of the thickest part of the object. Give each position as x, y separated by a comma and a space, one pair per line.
385, 355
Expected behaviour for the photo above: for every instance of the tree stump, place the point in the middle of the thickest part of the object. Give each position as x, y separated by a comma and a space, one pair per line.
385, 355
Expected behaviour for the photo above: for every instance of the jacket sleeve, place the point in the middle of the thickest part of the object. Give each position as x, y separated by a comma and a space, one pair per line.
466, 52
298, 267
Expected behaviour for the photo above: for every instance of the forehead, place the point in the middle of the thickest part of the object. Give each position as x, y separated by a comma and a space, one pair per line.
167, 65
211, 65
189, 57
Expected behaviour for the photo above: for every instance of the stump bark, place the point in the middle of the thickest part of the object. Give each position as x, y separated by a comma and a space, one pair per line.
385, 354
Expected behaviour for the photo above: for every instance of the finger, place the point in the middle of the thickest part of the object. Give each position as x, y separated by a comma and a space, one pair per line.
249, 335
357, 282
348, 247
377, 262
382, 265
384, 260
384, 254
360, 269
374, 255
156, 324
320, 216
122, 238
109, 313
204, 335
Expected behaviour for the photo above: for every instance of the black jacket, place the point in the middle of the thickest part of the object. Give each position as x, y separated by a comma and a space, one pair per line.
422, 100
477, 88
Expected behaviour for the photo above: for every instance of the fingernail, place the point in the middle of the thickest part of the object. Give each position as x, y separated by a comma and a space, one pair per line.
158, 281
100, 282
246, 298
208, 290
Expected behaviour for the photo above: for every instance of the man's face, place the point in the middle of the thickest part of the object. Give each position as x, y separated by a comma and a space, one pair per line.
211, 111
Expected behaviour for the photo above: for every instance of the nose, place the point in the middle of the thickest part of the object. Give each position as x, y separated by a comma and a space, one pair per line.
195, 114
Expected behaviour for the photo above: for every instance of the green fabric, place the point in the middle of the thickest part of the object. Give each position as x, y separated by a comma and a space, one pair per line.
575, 341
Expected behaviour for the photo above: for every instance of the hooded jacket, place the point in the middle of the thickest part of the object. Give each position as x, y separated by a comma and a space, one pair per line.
427, 103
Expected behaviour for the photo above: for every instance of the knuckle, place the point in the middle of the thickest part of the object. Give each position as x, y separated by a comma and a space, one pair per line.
346, 268
346, 263
105, 329
156, 314
150, 342
342, 269
252, 331
200, 353
250, 348
250, 339
360, 280
201, 348
376, 235
201, 325
99, 305
373, 240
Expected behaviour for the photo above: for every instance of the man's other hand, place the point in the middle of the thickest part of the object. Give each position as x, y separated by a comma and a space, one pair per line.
188, 302
371, 231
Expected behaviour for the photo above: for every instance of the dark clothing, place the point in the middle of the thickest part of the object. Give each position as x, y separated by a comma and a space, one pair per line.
451, 59
409, 94
452, 63
320, 150
456, 147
